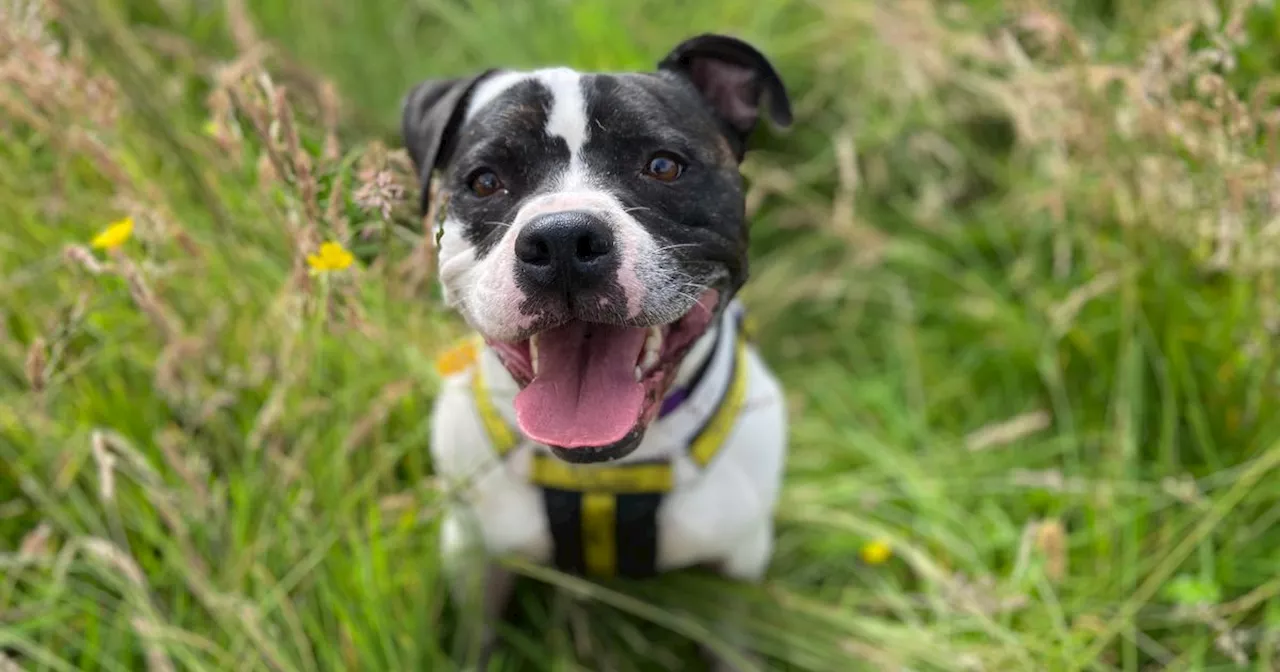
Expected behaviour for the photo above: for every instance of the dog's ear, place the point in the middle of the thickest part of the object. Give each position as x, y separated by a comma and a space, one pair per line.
732, 77
430, 116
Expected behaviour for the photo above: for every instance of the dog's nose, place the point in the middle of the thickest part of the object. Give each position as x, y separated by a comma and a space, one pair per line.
566, 250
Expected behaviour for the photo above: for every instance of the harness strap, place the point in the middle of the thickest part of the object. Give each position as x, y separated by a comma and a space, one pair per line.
603, 519
462, 357
502, 437
635, 478
715, 432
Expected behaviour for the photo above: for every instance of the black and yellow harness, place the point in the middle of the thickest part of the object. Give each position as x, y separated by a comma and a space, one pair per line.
603, 518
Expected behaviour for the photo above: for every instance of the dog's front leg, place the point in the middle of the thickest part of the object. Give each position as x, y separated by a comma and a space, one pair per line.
484, 597
746, 566
499, 584
481, 588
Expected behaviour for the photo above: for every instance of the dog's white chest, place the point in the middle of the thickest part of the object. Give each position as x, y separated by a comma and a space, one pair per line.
718, 513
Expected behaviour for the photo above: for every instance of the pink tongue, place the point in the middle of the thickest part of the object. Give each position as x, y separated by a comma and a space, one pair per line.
586, 393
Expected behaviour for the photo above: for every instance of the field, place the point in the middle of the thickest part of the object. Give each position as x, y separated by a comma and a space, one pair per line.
1016, 264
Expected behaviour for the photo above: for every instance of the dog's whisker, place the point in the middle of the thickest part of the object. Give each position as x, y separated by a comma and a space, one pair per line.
675, 246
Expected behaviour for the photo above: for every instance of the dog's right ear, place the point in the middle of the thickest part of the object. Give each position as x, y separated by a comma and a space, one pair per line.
734, 79
430, 117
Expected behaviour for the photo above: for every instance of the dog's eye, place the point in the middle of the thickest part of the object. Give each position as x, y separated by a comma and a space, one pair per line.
665, 167
485, 183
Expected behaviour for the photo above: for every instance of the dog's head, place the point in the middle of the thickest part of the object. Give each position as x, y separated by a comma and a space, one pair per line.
591, 225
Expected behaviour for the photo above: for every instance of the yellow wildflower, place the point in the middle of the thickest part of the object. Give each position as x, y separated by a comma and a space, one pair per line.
457, 359
332, 257
114, 235
210, 128
876, 552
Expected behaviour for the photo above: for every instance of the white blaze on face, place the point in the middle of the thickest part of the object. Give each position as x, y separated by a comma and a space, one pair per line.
568, 121
485, 289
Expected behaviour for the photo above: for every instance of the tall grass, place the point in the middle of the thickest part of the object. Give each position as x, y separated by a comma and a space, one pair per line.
1015, 265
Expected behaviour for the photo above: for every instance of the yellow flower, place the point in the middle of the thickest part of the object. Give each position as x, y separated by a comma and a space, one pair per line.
332, 257
210, 128
114, 235
876, 552
457, 359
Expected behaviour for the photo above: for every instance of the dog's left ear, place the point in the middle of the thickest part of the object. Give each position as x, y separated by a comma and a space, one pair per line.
430, 116
732, 77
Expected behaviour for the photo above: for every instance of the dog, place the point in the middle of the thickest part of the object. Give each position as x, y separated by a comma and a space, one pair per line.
610, 418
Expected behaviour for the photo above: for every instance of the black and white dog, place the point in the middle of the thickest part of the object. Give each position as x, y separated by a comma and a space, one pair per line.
590, 228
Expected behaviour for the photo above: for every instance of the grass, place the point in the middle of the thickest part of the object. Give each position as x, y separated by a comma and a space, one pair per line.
1015, 263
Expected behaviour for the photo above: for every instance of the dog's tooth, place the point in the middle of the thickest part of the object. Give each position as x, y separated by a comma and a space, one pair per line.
639, 374
533, 353
652, 349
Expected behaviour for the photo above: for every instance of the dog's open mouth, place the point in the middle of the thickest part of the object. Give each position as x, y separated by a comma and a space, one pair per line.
587, 385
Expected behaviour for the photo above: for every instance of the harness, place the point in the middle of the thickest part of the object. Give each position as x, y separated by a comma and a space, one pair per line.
603, 518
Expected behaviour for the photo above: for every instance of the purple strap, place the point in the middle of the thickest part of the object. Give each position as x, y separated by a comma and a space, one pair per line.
673, 401
680, 394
